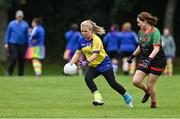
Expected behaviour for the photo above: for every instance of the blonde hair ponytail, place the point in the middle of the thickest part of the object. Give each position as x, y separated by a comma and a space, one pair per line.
95, 28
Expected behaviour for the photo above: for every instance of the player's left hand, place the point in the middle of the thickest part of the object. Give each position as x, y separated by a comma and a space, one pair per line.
147, 63
83, 63
129, 60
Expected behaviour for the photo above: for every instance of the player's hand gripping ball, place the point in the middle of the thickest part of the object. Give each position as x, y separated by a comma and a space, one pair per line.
70, 69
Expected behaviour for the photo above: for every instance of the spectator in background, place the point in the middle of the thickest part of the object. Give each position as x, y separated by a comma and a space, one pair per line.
15, 42
169, 49
72, 37
128, 44
36, 49
111, 40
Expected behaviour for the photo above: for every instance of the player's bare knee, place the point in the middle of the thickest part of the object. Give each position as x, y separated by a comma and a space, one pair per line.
136, 82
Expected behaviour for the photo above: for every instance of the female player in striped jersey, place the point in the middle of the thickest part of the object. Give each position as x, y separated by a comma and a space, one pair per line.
153, 60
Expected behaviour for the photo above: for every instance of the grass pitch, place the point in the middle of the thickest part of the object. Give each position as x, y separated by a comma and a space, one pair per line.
68, 97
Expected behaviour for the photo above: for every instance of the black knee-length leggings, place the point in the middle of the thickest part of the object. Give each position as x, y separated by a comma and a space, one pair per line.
108, 75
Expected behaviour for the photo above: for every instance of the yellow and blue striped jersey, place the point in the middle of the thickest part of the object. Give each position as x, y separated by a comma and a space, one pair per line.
102, 62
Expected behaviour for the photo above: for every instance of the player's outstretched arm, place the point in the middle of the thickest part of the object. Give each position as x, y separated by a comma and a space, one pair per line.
76, 57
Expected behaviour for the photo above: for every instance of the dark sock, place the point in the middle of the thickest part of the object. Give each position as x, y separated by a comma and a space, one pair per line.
146, 92
153, 104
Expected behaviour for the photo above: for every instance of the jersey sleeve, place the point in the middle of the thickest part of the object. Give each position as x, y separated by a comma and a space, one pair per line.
156, 38
97, 44
27, 32
173, 46
136, 40
79, 46
8, 32
66, 36
35, 33
105, 39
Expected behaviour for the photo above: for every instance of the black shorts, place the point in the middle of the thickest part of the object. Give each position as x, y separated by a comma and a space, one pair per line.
155, 68
113, 54
125, 54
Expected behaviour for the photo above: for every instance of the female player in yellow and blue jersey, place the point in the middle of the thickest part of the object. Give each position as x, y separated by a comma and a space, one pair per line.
98, 61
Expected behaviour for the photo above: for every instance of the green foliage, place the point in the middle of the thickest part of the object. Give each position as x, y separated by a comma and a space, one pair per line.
5, 4
69, 97
58, 15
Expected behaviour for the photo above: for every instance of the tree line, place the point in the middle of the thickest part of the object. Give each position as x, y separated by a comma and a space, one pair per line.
59, 15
